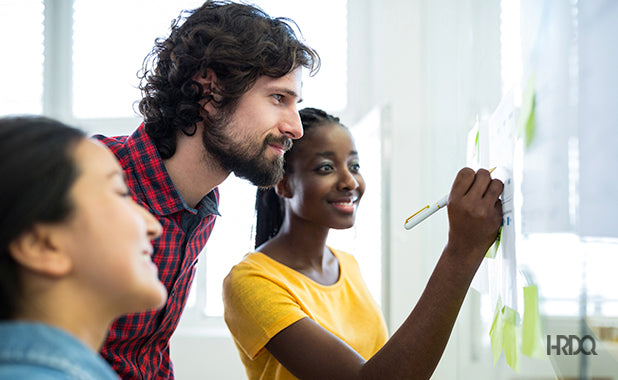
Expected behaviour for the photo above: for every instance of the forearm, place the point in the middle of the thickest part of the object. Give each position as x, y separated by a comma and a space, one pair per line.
413, 352
416, 347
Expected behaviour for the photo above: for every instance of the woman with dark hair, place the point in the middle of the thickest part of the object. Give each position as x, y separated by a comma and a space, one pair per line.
298, 308
74, 251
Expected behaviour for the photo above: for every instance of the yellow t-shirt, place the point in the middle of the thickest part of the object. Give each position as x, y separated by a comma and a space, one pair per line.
262, 297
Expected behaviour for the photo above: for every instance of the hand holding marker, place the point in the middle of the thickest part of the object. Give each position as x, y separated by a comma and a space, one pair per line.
428, 211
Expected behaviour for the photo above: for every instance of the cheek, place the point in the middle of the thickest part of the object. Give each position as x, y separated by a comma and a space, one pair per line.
310, 198
301, 202
248, 120
89, 229
111, 229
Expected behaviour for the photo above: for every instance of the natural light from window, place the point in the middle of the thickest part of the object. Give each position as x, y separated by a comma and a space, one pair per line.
105, 65
99, 83
21, 66
566, 268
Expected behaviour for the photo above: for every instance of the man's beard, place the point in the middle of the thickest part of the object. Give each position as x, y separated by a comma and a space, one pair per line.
241, 157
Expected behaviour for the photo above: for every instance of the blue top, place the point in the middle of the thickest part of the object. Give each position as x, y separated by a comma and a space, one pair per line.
38, 351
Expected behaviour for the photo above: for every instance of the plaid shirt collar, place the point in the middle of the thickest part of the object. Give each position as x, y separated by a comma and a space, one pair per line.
163, 197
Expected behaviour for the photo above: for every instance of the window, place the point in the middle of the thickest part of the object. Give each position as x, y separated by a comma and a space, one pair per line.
21, 66
576, 286
105, 64
78, 62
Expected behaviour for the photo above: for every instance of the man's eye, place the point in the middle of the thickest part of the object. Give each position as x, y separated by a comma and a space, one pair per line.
278, 97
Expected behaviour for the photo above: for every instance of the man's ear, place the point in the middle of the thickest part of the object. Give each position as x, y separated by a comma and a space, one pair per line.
209, 86
208, 81
40, 250
282, 188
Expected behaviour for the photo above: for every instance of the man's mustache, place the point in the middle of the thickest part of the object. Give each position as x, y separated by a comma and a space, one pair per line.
283, 141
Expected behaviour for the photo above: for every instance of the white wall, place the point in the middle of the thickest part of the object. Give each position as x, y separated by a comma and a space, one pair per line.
205, 353
431, 65
434, 66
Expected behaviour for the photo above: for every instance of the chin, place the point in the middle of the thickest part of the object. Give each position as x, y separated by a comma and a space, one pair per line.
343, 226
162, 297
154, 300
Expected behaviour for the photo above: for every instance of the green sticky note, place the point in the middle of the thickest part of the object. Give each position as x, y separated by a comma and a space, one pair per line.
509, 339
491, 252
527, 121
531, 340
503, 335
495, 332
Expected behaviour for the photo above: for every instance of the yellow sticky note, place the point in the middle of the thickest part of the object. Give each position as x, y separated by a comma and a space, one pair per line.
531, 340
509, 330
477, 147
495, 332
527, 121
503, 335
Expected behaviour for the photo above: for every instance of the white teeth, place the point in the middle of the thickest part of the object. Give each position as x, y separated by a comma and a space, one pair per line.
147, 258
344, 203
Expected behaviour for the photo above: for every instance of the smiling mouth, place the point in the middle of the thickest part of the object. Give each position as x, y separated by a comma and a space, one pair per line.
147, 257
147, 254
280, 143
348, 203
281, 150
345, 204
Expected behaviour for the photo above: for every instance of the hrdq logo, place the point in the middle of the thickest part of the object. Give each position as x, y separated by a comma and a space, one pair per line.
566, 344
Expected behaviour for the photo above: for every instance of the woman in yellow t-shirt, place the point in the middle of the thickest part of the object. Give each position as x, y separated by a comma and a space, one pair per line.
300, 309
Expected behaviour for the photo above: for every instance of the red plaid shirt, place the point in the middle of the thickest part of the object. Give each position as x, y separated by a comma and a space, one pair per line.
137, 346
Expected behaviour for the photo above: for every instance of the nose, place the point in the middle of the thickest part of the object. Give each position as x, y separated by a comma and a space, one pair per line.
347, 181
291, 126
153, 227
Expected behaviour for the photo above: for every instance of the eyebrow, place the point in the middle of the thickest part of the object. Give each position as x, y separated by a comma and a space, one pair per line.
330, 153
286, 91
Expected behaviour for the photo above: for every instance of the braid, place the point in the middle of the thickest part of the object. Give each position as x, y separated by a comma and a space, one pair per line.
270, 214
311, 117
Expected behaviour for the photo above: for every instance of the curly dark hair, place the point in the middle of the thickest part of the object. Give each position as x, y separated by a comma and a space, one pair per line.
268, 206
239, 42
38, 169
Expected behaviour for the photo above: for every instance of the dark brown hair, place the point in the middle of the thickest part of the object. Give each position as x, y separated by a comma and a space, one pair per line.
239, 42
37, 170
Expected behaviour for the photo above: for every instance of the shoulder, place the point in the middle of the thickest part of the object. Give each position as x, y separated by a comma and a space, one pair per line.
114, 142
137, 147
259, 300
117, 145
258, 277
253, 266
32, 350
